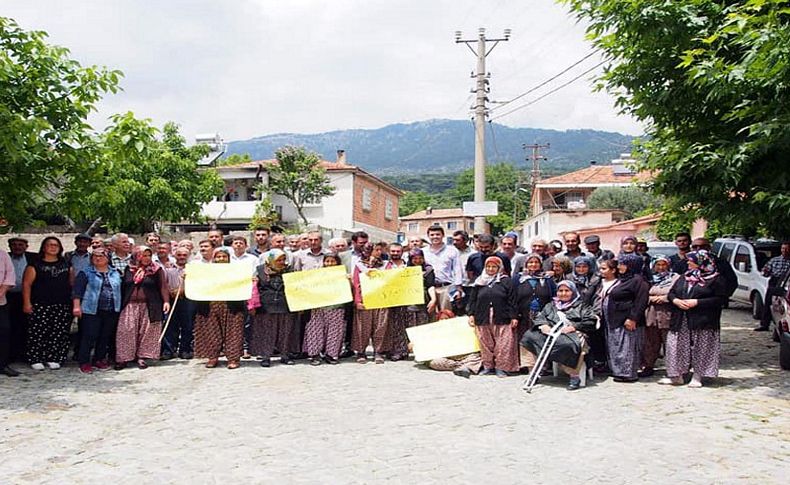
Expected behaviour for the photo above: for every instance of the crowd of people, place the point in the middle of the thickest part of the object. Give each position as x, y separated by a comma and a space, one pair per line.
620, 311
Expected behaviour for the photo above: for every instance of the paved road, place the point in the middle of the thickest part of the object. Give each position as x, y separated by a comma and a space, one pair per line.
396, 423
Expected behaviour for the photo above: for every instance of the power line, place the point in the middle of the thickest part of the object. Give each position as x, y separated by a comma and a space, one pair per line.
546, 81
552, 91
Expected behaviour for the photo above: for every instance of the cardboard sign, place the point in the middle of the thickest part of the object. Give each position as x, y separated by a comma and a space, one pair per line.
445, 338
317, 288
392, 287
217, 282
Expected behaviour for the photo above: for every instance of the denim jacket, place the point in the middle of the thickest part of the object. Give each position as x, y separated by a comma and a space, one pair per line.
87, 287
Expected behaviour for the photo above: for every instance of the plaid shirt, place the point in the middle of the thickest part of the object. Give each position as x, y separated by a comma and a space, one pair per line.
777, 267
120, 263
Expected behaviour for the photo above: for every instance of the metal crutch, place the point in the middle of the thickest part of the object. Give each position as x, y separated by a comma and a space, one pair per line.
551, 338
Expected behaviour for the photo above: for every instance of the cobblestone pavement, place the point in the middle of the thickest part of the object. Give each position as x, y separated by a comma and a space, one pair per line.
396, 423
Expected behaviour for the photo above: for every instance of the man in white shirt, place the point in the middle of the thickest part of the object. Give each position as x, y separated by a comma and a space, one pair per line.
240, 254
313, 256
447, 267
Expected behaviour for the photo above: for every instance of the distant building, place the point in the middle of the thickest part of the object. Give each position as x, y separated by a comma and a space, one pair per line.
559, 204
450, 219
361, 201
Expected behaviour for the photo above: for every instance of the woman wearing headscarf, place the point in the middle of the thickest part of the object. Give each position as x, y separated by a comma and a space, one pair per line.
146, 298
532, 291
628, 245
586, 281
623, 310
46, 298
693, 338
492, 312
274, 322
97, 300
571, 346
219, 325
327, 327
421, 313
369, 324
659, 313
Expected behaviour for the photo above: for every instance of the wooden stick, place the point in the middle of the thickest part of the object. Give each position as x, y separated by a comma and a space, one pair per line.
170, 313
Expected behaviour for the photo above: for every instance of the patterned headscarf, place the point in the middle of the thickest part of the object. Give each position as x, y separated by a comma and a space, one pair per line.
633, 263
582, 279
707, 268
271, 256
564, 305
526, 273
664, 277
486, 279
139, 272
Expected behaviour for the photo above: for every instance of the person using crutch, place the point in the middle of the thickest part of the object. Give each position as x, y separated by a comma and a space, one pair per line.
569, 344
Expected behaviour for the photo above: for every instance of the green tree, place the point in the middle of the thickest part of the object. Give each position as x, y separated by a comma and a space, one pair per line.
47, 149
147, 179
709, 80
631, 200
501, 181
299, 177
265, 215
234, 159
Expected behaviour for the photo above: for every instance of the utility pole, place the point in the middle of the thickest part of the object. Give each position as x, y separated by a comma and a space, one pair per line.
536, 157
481, 111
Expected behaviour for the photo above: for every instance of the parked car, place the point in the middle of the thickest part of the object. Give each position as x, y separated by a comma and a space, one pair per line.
667, 248
747, 259
780, 311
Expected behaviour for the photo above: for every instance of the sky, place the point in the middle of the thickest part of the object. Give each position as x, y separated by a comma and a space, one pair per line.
245, 68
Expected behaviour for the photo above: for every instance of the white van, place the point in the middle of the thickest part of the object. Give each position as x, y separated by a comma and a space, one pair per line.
747, 259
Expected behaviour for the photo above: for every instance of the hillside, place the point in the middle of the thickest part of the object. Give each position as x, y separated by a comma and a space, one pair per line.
442, 146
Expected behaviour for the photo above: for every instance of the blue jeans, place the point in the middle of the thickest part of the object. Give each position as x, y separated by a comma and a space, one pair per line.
178, 337
96, 332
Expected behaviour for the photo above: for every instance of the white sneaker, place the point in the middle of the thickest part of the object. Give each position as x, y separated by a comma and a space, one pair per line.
674, 381
37, 366
53, 365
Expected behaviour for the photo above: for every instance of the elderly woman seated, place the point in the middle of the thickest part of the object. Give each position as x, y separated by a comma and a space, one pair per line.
571, 345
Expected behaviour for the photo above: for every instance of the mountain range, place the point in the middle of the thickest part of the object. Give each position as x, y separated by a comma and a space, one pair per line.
437, 146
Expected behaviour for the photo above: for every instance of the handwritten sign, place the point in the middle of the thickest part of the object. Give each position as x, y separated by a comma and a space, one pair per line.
392, 287
445, 338
217, 282
317, 288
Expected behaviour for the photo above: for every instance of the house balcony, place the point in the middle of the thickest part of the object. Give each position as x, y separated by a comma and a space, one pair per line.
239, 210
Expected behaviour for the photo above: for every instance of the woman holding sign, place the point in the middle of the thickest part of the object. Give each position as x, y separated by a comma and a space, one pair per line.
369, 324
219, 325
421, 313
492, 312
273, 322
327, 327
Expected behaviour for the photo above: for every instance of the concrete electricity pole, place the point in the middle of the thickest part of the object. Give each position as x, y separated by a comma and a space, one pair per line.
536, 157
481, 112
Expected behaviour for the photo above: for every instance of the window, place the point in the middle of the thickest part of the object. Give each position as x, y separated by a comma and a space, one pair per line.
367, 200
414, 227
743, 260
574, 197
388, 206
726, 251
472, 226
452, 225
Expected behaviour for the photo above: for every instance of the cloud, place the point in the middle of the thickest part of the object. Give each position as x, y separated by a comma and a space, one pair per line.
251, 67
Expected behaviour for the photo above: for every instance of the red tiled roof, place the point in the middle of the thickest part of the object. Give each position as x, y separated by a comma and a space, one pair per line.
595, 174
324, 163
435, 214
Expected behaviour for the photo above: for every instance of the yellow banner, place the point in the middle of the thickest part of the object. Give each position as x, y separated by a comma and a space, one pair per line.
217, 282
317, 288
445, 338
392, 287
